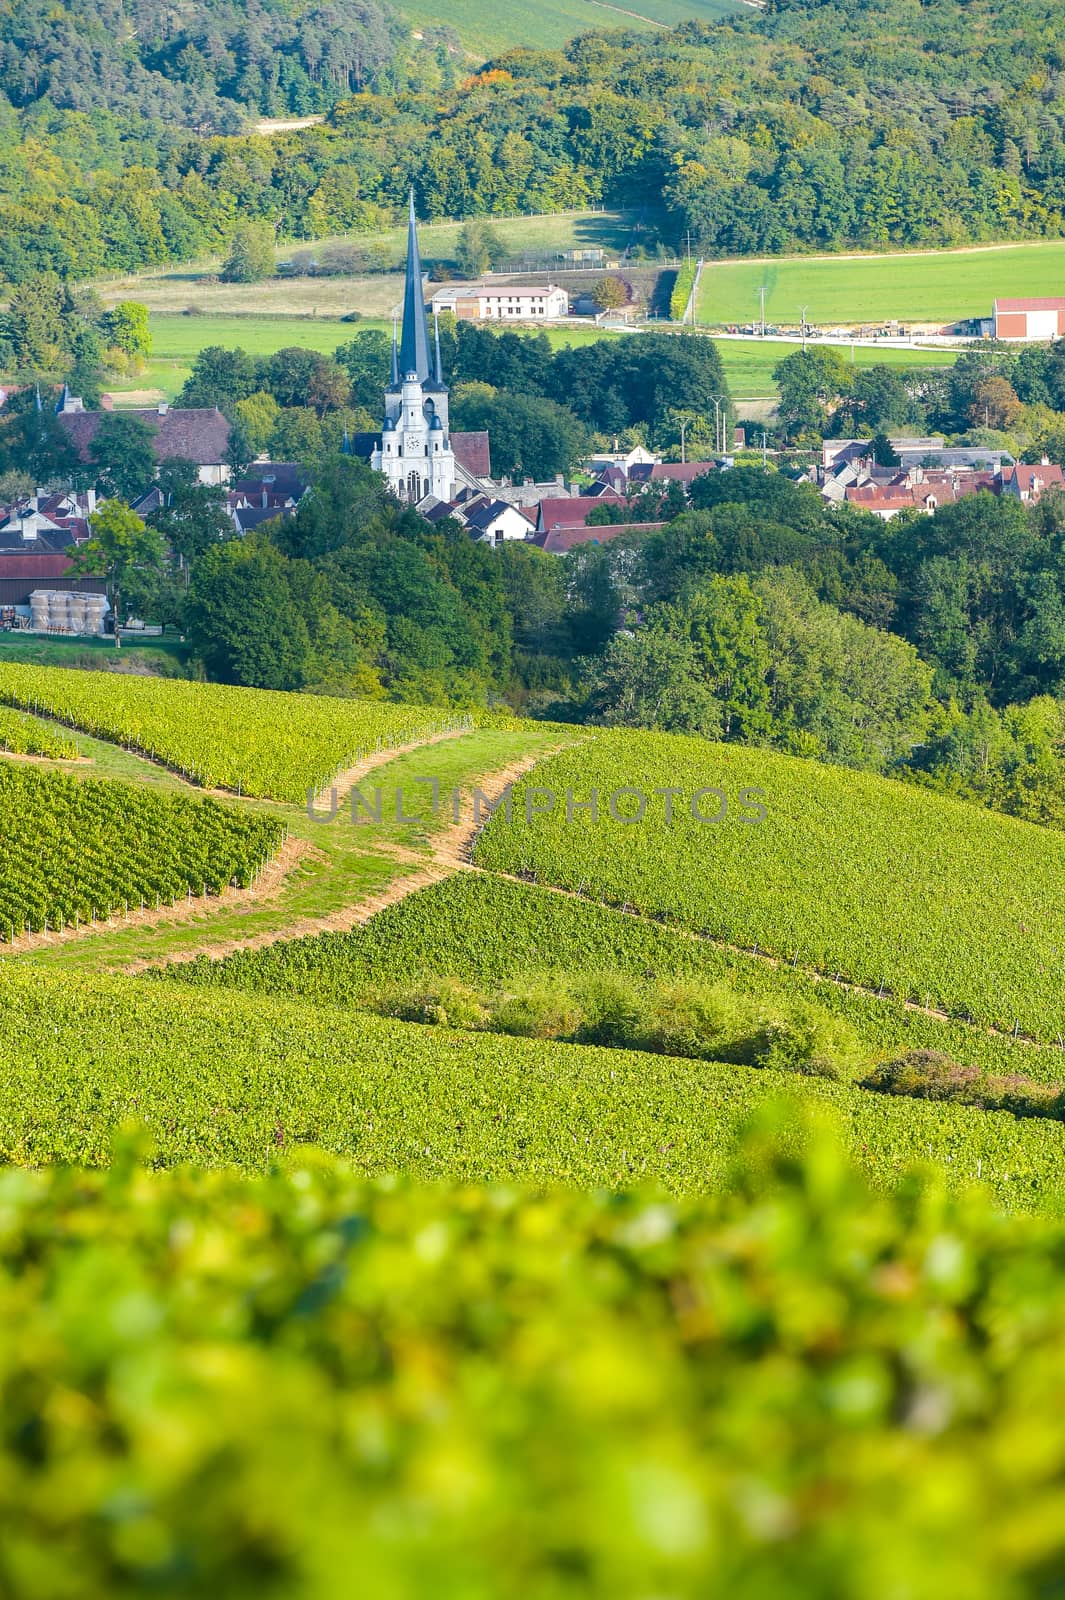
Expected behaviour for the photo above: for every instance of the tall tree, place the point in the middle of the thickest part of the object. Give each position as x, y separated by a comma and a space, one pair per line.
123, 551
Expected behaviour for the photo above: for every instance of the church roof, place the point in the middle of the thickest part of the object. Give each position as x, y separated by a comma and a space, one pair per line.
414, 342
471, 451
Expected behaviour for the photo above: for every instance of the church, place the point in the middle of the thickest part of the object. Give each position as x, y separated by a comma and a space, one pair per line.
425, 463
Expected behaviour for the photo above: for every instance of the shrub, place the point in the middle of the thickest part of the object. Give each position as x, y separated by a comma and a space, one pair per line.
925, 1075
444, 1002
540, 1008
810, 1040
708, 1022
613, 1007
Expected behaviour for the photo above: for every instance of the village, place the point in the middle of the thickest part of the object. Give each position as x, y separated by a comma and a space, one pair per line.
446, 476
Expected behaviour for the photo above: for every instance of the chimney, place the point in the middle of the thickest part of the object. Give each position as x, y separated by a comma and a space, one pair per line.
164, 407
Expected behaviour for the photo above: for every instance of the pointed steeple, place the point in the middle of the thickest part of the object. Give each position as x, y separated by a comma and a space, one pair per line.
439, 364
414, 346
395, 354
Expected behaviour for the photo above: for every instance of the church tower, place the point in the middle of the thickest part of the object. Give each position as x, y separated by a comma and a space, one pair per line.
415, 451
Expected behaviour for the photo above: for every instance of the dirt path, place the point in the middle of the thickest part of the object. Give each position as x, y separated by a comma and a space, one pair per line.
451, 849
345, 781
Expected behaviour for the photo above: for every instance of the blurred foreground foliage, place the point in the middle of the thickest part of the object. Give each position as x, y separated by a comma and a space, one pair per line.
305, 1384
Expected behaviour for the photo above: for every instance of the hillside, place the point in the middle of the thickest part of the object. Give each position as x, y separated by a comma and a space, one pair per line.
759, 134
299, 1284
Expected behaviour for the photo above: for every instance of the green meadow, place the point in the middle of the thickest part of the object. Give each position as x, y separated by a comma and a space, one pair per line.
932, 286
484, 29
177, 340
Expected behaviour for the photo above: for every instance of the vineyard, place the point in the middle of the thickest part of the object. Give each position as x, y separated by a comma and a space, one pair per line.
78, 850
484, 930
253, 741
908, 893
237, 1079
27, 736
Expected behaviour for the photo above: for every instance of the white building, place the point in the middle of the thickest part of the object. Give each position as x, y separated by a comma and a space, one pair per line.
415, 449
502, 302
1028, 319
496, 521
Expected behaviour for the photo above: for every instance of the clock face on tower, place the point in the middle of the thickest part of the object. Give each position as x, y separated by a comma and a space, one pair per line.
410, 444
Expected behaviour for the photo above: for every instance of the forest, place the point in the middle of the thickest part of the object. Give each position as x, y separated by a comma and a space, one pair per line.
805, 127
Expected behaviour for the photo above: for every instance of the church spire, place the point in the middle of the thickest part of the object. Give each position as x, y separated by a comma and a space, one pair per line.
395, 353
439, 363
414, 346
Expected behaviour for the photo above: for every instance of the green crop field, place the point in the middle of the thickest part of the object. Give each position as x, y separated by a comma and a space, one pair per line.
232, 1079
748, 364
486, 930
255, 741
925, 896
926, 287
484, 29
76, 850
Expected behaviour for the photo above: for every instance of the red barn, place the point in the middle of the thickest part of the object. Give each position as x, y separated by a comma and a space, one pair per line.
1029, 319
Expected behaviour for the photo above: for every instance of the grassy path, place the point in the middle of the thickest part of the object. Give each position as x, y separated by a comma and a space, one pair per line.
331, 876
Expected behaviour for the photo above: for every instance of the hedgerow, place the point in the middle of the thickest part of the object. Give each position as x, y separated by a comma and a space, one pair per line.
700, 1021
75, 850
483, 931
286, 1385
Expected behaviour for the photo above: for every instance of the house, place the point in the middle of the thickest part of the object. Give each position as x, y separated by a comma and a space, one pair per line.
1028, 318
684, 472
268, 490
572, 512
51, 522
621, 460
496, 521
558, 541
510, 302
199, 435
1031, 483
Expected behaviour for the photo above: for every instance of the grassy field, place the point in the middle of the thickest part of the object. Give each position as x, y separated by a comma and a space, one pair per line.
170, 290
177, 339
507, 22
935, 286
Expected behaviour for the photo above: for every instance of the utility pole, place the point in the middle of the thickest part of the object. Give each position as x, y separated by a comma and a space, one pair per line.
688, 244
802, 313
720, 421
765, 462
683, 431
761, 296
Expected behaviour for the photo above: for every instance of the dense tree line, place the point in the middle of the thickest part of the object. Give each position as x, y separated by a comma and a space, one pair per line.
1001, 396
807, 126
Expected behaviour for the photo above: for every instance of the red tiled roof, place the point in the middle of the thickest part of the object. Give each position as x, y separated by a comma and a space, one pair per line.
1046, 303
471, 452
44, 565
200, 436
558, 540
571, 513
1026, 476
